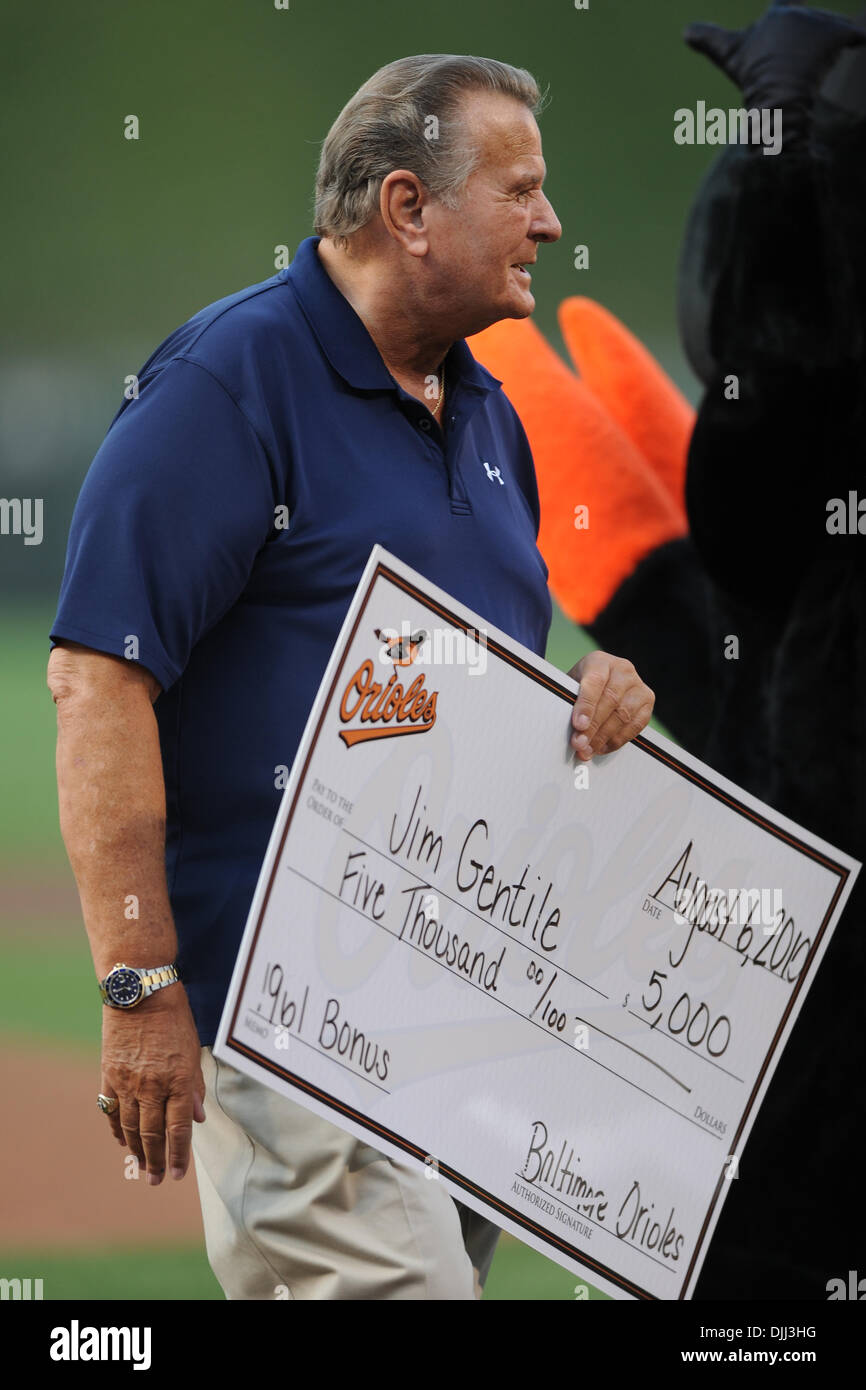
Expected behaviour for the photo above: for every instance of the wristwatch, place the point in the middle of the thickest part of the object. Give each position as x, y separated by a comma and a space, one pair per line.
126, 985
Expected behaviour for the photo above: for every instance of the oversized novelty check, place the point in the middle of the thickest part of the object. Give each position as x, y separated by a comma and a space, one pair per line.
562, 988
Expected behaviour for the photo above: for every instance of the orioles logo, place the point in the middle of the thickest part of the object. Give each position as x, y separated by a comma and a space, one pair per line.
413, 709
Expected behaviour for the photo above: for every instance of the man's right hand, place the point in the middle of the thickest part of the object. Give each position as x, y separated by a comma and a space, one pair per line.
151, 1061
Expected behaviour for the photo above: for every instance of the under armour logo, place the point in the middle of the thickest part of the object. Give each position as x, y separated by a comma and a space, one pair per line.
494, 473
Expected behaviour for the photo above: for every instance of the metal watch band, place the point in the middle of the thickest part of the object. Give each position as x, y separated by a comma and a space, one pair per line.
158, 977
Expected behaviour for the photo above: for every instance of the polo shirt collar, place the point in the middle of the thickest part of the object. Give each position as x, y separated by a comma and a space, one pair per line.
344, 339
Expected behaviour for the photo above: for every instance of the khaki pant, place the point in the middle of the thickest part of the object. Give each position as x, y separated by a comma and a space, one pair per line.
294, 1207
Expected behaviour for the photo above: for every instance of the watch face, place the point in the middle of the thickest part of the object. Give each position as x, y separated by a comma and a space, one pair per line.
124, 988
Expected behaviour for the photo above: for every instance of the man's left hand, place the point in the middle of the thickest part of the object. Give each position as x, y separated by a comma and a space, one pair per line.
613, 706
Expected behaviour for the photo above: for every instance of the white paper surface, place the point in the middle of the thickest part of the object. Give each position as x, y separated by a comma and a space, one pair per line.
472, 961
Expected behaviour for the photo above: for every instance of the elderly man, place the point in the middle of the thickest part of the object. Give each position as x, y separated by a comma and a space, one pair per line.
194, 627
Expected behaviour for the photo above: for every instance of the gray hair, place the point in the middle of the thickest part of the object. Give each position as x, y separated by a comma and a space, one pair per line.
407, 116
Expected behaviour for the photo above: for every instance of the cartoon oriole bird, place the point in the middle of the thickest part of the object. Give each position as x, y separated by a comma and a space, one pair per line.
402, 650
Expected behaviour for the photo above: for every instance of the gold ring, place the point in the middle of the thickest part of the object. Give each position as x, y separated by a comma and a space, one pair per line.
107, 1104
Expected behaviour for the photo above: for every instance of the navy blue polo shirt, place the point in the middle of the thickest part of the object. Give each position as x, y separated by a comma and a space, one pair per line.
277, 397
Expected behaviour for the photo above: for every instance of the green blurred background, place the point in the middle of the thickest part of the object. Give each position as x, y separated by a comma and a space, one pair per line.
108, 244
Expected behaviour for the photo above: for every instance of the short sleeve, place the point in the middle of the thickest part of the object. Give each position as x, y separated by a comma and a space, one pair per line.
174, 509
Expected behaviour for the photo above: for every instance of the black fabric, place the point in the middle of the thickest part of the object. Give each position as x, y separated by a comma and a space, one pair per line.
647, 620
777, 256
780, 61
